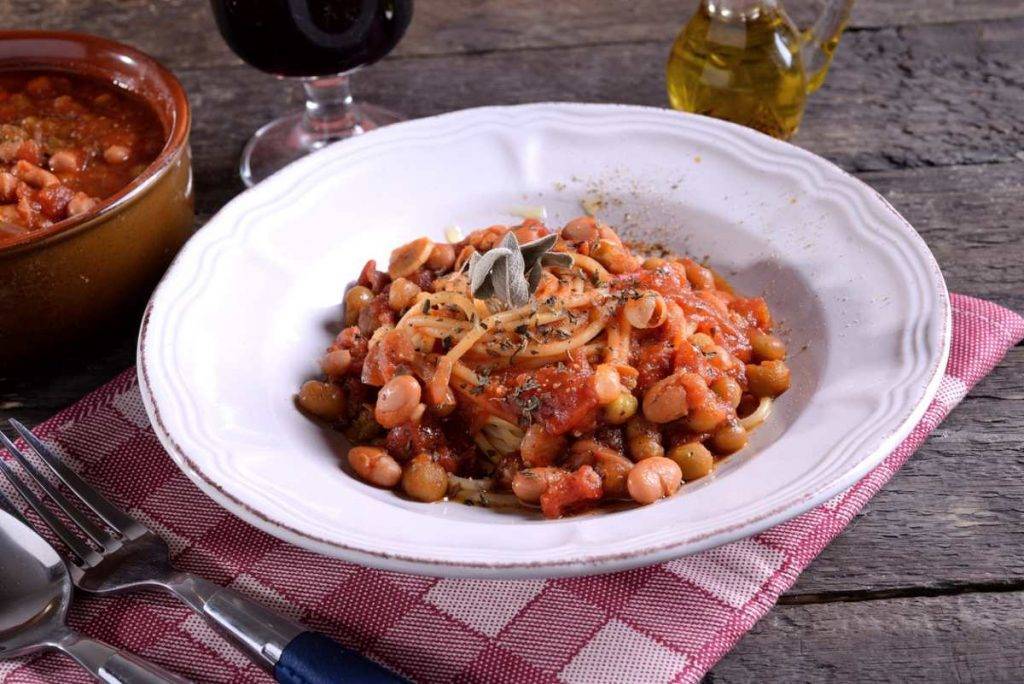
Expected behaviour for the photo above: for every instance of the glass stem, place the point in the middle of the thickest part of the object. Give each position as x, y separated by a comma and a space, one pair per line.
329, 113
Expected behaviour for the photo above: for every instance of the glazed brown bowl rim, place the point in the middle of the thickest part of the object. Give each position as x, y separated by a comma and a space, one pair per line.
174, 143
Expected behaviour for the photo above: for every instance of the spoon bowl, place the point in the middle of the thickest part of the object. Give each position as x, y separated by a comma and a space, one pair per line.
35, 594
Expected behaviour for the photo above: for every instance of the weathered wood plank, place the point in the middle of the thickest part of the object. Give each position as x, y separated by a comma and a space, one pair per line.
971, 218
172, 29
973, 638
950, 519
35, 394
930, 96
954, 98
914, 96
474, 26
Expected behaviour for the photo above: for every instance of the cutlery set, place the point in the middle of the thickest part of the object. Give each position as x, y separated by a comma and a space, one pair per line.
122, 555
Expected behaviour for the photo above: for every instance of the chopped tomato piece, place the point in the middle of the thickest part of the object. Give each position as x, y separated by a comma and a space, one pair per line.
654, 362
565, 396
54, 200
393, 350
372, 278
755, 310
571, 493
375, 314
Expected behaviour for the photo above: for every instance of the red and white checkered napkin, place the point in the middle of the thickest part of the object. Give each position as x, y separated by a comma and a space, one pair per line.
665, 623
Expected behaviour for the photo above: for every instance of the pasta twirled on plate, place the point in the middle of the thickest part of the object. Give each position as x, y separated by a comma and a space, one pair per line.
552, 369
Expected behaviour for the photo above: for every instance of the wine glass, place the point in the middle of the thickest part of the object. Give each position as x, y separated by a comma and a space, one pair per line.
321, 42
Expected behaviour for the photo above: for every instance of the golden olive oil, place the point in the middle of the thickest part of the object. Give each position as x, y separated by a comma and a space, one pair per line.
744, 67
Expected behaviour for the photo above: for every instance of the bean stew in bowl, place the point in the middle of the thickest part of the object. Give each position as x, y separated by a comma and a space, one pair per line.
95, 186
67, 143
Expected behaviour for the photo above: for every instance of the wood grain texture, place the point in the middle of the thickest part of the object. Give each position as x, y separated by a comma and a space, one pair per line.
899, 98
972, 218
950, 520
182, 31
973, 638
912, 96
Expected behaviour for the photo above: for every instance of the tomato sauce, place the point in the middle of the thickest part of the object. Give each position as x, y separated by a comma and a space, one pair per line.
655, 369
67, 143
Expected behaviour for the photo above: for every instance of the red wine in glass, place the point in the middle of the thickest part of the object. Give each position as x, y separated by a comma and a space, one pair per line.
320, 42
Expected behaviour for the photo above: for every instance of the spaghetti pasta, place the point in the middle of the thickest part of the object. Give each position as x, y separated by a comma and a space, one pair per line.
612, 364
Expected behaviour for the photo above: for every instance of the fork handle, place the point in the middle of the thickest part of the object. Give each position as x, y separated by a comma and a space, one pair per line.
279, 645
112, 665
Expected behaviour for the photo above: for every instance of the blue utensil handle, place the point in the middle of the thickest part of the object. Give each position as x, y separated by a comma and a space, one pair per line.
278, 644
313, 658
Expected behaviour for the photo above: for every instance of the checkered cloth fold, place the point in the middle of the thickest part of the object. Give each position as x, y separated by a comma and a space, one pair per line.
665, 623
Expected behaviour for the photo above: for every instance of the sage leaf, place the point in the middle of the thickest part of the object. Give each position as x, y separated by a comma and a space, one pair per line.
515, 269
533, 251
479, 271
519, 289
533, 277
499, 281
511, 272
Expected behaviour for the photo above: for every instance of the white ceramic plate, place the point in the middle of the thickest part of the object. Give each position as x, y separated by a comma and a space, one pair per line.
238, 323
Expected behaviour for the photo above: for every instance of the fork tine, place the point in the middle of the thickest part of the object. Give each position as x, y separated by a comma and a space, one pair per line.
111, 514
78, 547
90, 529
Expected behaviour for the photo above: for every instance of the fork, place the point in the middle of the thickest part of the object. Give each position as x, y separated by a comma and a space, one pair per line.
126, 555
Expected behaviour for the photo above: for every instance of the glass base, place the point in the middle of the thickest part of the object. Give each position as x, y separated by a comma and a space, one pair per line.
284, 140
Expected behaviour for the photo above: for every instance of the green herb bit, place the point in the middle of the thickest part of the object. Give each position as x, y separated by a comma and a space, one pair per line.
530, 383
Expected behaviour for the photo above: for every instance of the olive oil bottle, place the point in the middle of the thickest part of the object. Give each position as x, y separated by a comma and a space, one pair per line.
744, 61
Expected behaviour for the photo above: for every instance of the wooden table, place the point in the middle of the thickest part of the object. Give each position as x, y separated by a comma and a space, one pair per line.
925, 102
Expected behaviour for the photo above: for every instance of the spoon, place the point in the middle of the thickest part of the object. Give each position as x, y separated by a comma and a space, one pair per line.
35, 593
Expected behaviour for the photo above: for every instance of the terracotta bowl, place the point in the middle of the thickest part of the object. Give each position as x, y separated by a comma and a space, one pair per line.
62, 282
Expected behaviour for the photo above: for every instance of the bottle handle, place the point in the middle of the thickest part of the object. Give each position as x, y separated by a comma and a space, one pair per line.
821, 39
